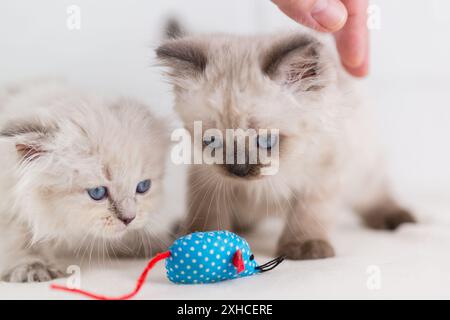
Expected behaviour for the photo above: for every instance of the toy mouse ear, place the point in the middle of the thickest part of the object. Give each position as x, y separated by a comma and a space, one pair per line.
238, 261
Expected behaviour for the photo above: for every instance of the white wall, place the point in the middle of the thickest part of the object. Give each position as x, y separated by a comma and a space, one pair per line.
410, 77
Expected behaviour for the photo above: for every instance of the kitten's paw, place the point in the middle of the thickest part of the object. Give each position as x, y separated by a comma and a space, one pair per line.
388, 219
33, 271
307, 250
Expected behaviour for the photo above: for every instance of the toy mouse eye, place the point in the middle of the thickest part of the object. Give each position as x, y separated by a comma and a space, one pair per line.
98, 193
144, 186
252, 257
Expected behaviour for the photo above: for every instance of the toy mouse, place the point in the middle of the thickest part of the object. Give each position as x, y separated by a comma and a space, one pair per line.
200, 257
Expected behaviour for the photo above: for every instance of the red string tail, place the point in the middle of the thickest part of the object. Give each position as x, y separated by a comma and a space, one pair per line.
139, 284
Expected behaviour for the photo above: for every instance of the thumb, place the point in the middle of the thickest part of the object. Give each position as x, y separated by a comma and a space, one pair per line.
322, 15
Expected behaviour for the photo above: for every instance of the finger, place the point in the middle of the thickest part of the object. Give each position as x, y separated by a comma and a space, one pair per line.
352, 40
360, 71
322, 15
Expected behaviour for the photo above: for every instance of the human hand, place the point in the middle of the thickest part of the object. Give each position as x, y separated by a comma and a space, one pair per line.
346, 19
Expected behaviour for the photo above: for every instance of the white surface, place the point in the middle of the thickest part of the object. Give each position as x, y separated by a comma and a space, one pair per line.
409, 80
411, 263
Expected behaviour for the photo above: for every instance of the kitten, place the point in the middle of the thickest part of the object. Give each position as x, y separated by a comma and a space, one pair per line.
78, 173
328, 156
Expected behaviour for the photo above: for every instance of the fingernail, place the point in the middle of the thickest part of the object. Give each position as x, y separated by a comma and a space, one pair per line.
329, 14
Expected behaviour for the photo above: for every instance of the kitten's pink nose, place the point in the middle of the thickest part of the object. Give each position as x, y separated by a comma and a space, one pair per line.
126, 219
126, 210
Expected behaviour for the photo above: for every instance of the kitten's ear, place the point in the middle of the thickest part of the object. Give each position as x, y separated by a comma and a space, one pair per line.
185, 57
173, 29
29, 137
297, 61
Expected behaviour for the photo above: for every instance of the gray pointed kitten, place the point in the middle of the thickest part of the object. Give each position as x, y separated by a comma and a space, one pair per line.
80, 175
328, 156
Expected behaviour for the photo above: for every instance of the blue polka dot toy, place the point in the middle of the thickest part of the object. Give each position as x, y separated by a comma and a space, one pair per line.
200, 257
207, 257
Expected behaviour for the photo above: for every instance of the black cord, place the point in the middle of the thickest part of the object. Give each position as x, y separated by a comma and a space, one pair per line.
271, 264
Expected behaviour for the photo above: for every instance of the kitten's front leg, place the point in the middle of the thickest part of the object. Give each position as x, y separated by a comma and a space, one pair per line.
208, 206
20, 262
32, 268
304, 236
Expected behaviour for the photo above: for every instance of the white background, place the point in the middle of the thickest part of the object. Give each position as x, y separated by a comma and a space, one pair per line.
409, 81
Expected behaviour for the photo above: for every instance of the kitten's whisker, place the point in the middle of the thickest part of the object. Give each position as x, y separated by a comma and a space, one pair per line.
144, 244
93, 242
167, 230
217, 203
151, 244
141, 243
280, 208
197, 212
157, 237
111, 245
88, 232
123, 246
222, 202
192, 197
230, 208
214, 194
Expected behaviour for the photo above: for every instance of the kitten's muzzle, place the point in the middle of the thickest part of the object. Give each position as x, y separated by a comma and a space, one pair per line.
242, 168
124, 210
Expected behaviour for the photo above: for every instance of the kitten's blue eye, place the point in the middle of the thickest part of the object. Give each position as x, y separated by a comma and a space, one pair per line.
267, 141
214, 142
144, 186
98, 193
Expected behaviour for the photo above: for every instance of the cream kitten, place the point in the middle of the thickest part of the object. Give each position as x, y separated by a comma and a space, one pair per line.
328, 154
77, 173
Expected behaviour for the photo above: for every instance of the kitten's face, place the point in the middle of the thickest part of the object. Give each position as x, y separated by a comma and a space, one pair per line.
94, 170
284, 83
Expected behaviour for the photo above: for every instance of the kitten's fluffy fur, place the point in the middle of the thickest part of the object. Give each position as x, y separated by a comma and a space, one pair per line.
328, 154
55, 143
